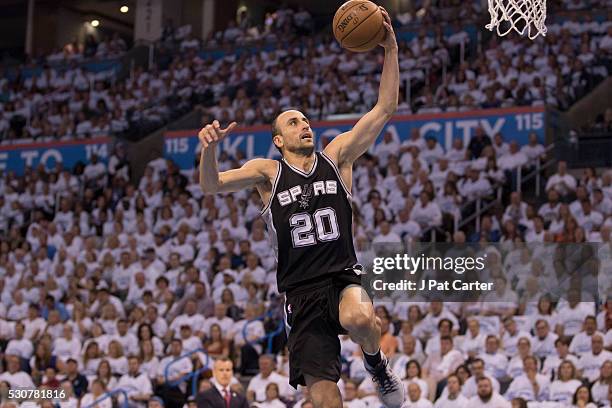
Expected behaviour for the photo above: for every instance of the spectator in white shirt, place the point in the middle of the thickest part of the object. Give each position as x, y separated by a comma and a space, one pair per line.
386, 235
583, 398
561, 181
590, 363
14, 375
136, 384
603, 386
534, 150
589, 219
432, 152
479, 370
178, 369
415, 400
97, 389
414, 374
486, 397
388, 146
543, 344
95, 171
552, 362
516, 210
425, 212
495, 361
473, 342
127, 339
564, 387
440, 365
19, 345
581, 342
67, 346
475, 185
453, 398
500, 146
350, 398
530, 386
513, 159
257, 386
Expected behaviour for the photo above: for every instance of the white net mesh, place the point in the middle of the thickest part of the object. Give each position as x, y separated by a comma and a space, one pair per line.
526, 17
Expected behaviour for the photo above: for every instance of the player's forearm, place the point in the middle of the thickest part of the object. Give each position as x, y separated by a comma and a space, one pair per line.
209, 172
388, 92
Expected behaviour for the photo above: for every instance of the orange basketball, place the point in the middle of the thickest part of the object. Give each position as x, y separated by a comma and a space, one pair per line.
358, 25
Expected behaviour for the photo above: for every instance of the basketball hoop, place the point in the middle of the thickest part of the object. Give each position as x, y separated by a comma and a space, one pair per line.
526, 17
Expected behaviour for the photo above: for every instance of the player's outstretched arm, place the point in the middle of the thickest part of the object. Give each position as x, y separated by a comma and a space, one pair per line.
348, 146
251, 173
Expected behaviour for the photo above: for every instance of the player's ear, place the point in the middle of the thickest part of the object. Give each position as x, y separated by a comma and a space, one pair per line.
278, 141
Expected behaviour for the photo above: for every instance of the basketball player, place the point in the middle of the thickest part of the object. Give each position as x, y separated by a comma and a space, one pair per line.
307, 206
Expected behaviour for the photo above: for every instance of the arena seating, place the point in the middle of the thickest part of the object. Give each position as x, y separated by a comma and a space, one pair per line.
105, 281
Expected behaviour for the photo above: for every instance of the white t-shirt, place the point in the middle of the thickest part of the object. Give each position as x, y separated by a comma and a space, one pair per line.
22, 348
19, 379
89, 398
445, 402
590, 364
496, 401
563, 391
421, 403
135, 385
258, 385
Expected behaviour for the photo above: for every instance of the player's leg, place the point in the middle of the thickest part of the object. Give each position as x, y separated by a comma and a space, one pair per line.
358, 318
356, 315
324, 393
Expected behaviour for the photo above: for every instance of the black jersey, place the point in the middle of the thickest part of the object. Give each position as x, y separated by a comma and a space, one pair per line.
310, 222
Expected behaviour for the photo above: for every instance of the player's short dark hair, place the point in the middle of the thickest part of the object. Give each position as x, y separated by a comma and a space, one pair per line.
448, 338
276, 131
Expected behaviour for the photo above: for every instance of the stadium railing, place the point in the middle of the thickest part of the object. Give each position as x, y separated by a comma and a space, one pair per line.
269, 337
536, 172
111, 394
190, 376
587, 149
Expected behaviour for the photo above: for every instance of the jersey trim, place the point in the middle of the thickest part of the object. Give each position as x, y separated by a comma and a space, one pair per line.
272, 235
278, 173
300, 172
331, 162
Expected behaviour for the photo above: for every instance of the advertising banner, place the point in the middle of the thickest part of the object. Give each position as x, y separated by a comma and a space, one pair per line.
255, 141
17, 157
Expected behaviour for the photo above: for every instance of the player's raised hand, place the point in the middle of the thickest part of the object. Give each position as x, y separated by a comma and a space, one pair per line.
389, 41
211, 134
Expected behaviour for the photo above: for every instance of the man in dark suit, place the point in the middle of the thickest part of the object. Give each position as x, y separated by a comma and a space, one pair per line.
221, 395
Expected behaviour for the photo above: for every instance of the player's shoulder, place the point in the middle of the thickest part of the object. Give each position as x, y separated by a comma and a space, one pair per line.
260, 161
267, 167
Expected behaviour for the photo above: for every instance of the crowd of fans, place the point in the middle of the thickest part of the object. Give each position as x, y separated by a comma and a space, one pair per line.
311, 72
91, 48
104, 282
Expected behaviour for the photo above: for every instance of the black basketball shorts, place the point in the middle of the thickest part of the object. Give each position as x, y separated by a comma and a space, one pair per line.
312, 322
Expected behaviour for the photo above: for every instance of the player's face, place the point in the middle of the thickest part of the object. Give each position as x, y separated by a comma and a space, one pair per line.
295, 133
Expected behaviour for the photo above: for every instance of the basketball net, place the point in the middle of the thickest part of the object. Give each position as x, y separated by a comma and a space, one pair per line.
526, 17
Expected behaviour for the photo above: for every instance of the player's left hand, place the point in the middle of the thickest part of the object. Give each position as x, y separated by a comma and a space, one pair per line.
389, 41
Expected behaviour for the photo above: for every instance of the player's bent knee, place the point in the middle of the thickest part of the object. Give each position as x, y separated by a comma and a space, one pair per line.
325, 394
359, 319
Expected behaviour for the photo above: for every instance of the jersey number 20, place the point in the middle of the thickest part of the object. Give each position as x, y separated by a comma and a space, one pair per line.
325, 227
